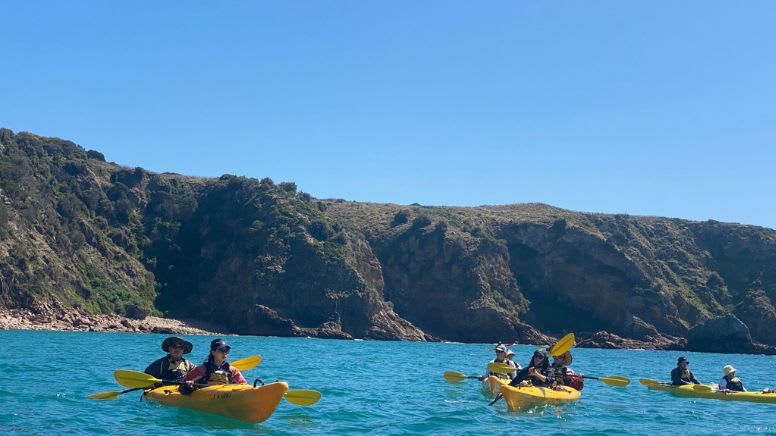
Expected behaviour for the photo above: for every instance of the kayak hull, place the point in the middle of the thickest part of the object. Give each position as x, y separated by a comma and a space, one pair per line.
492, 385
689, 391
519, 398
241, 402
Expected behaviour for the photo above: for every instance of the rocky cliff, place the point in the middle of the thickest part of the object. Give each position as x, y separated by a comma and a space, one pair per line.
262, 258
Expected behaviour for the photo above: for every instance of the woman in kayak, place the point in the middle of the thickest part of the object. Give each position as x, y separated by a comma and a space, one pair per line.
172, 366
501, 357
537, 372
216, 370
730, 382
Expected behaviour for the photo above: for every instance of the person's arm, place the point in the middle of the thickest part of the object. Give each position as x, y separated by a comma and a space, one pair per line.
723, 384
676, 377
522, 375
154, 369
237, 376
694, 380
195, 374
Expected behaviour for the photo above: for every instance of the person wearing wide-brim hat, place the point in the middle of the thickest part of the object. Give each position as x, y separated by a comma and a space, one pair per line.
173, 366
729, 381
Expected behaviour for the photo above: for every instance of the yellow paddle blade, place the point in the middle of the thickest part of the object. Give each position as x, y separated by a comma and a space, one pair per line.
615, 380
564, 344
649, 382
454, 376
134, 379
106, 395
247, 363
500, 368
703, 388
302, 397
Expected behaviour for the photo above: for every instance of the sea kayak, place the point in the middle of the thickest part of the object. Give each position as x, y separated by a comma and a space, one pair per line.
690, 391
242, 402
518, 398
492, 385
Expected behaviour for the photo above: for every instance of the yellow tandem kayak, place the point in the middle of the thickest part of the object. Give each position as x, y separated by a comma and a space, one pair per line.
492, 385
713, 393
518, 398
241, 402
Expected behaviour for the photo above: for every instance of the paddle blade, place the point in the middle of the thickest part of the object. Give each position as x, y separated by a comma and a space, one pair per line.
564, 344
302, 397
247, 363
500, 368
106, 395
702, 388
649, 382
615, 380
134, 379
454, 376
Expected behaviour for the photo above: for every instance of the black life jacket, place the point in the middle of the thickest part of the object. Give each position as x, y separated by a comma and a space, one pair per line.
735, 384
174, 371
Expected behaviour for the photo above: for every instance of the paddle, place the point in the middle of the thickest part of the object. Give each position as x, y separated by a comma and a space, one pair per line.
564, 344
612, 380
247, 363
649, 382
302, 397
140, 380
703, 388
500, 368
453, 376
111, 395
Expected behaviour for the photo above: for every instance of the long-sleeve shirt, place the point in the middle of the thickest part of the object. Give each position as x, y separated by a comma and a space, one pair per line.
681, 376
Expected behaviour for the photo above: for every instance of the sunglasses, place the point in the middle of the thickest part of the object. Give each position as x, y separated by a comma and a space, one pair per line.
176, 346
224, 350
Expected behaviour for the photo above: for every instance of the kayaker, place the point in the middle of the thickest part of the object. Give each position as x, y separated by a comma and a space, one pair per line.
729, 381
172, 366
537, 372
562, 374
215, 371
511, 359
501, 357
681, 375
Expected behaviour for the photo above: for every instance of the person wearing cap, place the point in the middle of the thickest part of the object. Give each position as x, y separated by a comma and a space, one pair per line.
511, 359
537, 372
729, 381
681, 375
172, 366
501, 357
215, 371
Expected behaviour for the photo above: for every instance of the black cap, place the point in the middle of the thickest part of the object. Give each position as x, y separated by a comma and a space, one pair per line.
682, 359
219, 344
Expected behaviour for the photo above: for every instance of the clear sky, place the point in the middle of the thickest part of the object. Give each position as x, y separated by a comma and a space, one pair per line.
650, 108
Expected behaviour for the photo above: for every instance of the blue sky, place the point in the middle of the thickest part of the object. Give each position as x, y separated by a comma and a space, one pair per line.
649, 108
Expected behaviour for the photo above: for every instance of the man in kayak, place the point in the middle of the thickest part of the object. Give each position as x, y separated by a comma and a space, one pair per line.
537, 372
729, 381
562, 374
681, 375
215, 371
501, 357
172, 366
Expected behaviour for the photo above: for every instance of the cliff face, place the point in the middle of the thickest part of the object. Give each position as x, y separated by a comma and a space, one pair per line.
262, 258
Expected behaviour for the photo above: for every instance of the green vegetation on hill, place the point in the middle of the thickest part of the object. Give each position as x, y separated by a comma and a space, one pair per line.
263, 258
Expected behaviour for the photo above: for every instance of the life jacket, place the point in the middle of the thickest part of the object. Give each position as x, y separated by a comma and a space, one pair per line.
503, 376
735, 384
559, 373
170, 370
217, 375
687, 375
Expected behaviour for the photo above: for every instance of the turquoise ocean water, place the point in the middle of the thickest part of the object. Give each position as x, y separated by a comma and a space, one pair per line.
367, 386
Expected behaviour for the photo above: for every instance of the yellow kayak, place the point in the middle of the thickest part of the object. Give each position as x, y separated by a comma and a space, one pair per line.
518, 398
492, 385
242, 402
689, 391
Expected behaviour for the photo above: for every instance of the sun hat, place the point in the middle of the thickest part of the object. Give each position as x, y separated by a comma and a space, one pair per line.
727, 369
510, 353
174, 340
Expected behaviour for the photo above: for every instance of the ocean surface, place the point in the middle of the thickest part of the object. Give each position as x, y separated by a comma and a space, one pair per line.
367, 386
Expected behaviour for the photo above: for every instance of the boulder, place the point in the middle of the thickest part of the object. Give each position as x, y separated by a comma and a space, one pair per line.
724, 334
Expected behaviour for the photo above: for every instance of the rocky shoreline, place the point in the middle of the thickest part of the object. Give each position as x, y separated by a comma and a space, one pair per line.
77, 320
